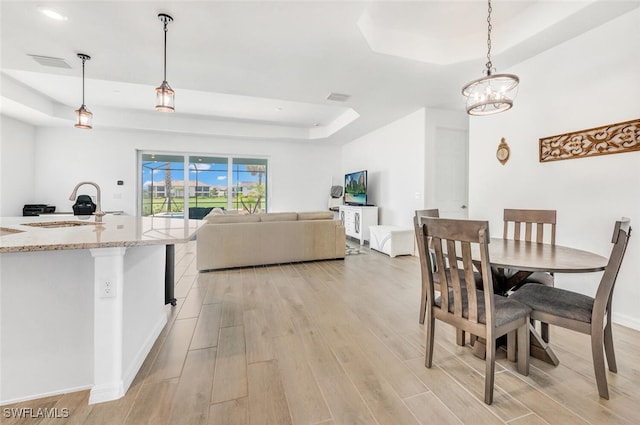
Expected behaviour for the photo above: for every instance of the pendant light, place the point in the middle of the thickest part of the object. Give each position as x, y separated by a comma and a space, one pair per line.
492, 93
165, 95
84, 118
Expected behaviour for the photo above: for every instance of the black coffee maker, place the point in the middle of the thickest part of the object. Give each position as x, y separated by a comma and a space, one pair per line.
84, 205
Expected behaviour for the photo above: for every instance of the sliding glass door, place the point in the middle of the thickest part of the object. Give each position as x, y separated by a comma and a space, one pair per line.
229, 183
249, 182
162, 180
208, 182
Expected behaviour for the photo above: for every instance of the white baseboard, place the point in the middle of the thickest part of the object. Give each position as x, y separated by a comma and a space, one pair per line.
43, 395
107, 392
626, 321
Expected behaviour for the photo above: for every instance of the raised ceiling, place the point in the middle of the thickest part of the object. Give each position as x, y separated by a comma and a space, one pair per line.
264, 70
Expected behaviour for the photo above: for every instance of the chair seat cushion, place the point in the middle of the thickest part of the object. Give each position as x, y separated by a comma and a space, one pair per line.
507, 309
556, 301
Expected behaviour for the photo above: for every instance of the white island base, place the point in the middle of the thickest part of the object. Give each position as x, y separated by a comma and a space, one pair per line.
64, 329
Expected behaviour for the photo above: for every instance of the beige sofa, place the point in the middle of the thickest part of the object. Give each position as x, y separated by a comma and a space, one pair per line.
248, 240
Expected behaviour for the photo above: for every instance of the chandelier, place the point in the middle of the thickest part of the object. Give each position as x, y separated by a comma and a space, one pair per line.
492, 93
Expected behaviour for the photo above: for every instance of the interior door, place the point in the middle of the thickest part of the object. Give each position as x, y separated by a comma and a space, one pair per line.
451, 173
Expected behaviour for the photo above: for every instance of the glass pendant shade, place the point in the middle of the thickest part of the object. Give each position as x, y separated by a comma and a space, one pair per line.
491, 94
84, 118
165, 98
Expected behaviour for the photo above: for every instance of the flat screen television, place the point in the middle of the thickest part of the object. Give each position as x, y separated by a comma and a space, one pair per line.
355, 188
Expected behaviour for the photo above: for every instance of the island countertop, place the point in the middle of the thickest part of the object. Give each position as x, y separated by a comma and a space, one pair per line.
55, 232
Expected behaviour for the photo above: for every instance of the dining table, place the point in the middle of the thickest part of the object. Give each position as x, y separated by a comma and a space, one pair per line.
525, 258
529, 257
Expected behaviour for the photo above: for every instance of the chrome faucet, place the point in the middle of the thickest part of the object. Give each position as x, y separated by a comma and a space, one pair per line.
99, 213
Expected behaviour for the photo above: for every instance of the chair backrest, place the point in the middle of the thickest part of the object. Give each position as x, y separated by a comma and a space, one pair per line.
84, 205
529, 218
620, 239
434, 212
417, 222
453, 241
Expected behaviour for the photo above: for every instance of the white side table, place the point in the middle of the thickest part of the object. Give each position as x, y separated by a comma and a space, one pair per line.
392, 240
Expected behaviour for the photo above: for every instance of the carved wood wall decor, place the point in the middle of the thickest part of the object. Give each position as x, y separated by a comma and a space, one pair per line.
608, 139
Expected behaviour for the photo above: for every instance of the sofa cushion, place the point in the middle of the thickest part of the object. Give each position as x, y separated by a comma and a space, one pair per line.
315, 215
224, 218
279, 216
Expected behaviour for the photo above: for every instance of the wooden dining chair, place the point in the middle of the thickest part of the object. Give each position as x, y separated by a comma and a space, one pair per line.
529, 226
422, 252
582, 313
463, 305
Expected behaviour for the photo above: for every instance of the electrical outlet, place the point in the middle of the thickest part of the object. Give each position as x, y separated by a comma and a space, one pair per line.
108, 289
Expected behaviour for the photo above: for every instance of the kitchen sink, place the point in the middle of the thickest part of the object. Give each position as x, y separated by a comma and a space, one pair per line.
57, 224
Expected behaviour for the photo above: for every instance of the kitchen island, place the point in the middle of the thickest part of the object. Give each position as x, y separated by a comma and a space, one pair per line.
81, 301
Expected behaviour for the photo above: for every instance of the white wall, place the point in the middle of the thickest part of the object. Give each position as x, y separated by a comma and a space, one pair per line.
590, 81
300, 174
17, 150
394, 159
439, 122
400, 159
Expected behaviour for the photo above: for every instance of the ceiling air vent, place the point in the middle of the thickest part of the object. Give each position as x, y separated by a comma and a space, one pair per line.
49, 61
338, 97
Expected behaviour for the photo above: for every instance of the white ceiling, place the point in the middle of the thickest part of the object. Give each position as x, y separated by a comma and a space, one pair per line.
264, 69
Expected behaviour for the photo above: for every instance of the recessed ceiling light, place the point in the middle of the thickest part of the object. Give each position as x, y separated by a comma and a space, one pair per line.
52, 13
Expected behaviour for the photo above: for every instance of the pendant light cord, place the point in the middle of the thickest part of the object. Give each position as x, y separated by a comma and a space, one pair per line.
83, 60
165, 50
489, 27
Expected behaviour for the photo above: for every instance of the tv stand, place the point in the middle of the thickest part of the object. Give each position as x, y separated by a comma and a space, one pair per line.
357, 219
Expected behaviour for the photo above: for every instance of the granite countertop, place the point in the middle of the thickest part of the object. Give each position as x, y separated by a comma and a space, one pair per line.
56, 232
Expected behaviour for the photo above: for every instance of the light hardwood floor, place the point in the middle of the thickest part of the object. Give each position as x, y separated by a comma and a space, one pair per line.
338, 342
